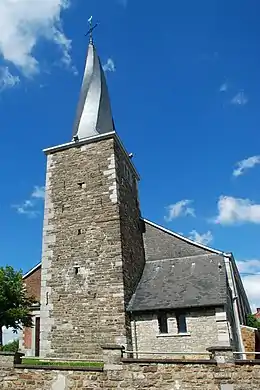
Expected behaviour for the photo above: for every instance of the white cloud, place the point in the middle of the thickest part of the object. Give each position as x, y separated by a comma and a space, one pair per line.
251, 284
30, 206
179, 209
204, 238
109, 66
235, 210
246, 164
7, 80
26, 208
38, 192
250, 273
223, 87
240, 99
24, 23
249, 266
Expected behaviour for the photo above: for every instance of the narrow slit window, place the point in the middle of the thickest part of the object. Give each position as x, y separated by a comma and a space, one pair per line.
76, 269
181, 323
162, 322
81, 184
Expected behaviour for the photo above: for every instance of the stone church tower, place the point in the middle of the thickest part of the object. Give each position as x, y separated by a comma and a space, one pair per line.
93, 254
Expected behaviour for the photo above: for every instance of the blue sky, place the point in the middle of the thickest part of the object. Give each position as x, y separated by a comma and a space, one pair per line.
184, 85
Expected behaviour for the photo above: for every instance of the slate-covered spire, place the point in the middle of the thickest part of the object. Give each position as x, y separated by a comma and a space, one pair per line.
94, 114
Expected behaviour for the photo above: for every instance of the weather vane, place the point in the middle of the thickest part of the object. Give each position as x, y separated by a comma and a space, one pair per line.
90, 31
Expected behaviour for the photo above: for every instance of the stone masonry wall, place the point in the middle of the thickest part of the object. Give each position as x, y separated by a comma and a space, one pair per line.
133, 257
137, 376
204, 329
249, 340
131, 234
85, 260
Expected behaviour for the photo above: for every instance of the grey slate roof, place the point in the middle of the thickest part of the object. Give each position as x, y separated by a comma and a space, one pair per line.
183, 282
162, 244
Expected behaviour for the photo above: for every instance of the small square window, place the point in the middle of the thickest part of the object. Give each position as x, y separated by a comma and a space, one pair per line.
81, 184
181, 323
162, 322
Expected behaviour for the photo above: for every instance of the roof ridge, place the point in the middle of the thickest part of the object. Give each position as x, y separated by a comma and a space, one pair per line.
216, 251
32, 270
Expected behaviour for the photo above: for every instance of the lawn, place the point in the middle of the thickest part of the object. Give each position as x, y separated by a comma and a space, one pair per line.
39, 362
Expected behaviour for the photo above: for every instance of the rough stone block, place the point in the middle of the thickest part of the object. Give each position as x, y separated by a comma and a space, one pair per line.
226, 386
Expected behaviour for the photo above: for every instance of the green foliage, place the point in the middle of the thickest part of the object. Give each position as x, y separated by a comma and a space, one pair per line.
13, 346
252, 321
38, 362
15, 304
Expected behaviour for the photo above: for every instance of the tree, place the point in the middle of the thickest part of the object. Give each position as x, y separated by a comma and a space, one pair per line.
252, 321
15, 304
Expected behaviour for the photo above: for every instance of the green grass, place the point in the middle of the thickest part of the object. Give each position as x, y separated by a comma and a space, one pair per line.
38, 362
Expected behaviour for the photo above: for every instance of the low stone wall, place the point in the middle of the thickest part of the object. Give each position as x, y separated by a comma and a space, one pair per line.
129, 374
249, 336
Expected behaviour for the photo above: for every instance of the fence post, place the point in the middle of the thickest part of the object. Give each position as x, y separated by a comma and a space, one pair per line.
222, 354
112, 355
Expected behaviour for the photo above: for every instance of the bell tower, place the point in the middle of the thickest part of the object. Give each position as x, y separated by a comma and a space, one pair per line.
92, 253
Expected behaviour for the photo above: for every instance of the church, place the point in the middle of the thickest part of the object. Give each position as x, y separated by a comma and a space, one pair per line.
109, 276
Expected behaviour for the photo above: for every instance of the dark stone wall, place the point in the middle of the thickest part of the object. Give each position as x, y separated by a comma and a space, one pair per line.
133, 257
131, 232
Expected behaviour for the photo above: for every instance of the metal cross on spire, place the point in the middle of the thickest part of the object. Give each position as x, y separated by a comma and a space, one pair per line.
90, 32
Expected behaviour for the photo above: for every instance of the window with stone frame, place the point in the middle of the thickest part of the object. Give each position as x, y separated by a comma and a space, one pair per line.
181, 322
162, 322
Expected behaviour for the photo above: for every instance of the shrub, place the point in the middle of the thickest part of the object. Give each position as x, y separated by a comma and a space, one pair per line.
252, 321
11, 347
